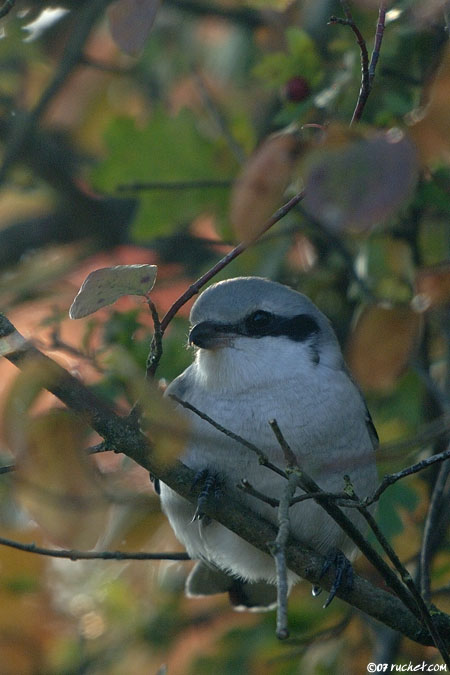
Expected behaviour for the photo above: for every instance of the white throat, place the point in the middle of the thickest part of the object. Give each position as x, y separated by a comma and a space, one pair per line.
252, 363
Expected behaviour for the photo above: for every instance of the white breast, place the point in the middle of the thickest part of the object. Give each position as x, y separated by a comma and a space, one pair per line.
323, 418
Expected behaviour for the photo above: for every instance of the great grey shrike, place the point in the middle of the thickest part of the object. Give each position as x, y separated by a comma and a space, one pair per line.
265, 351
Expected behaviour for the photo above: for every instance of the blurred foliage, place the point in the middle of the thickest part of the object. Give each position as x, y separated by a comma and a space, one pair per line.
200, 101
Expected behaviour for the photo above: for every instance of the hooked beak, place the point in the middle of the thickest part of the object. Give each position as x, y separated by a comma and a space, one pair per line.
210, 335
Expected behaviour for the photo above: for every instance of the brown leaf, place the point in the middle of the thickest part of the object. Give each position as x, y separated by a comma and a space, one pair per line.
130, 23
260, 188
381, 344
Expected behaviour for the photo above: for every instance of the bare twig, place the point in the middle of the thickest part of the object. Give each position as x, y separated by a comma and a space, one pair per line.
367, 68
156, 348
405, 576
6, 7
433, 515
263, 460
392, 478
175, 185
309, 485
378, 39
7, 469
90, 555
278, 551
232, 255
248, 488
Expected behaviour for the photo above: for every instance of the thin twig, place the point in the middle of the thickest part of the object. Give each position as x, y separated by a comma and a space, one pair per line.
6, 7
392, 478
367, 68
263, 460
248, 488
232, 255
156, 348
431, 523
378, 39
309, 485
7, 469
405, 576
278, 551
175, 185
90, 555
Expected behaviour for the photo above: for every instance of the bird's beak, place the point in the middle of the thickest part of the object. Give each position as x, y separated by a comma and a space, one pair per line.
210, 335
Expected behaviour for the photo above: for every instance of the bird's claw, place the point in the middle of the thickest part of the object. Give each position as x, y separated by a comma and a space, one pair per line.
211, 488
343, 577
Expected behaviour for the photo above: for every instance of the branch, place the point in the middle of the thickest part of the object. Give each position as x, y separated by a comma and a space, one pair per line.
367, 69
85, 20
7, 469
72, 554
261, 456
433, 515
156, 348
232, 255
175, 185
406, 578
6, 7
278, 551
392, 478
309, 485
378, 39
127, 438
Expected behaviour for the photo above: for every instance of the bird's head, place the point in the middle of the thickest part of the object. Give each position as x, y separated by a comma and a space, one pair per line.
255, 322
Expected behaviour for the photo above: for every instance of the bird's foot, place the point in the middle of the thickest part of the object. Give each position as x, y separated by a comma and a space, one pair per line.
343, 575
212, 488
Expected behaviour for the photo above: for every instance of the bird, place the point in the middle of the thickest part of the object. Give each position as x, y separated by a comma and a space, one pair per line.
264, 351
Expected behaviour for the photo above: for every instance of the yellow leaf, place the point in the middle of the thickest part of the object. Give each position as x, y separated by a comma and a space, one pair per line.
57, 483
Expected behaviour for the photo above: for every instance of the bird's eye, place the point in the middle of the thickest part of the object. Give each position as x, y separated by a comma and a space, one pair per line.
258, 321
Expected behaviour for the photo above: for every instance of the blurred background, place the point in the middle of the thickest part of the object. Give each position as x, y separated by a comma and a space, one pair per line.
139, 132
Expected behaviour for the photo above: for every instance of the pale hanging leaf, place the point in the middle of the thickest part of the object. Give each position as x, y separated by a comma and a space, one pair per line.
381, 344
131, 21
259, 190
165, 424
104, 286
358, 185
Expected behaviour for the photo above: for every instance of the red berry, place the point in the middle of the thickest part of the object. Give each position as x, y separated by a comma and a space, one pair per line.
296, 89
